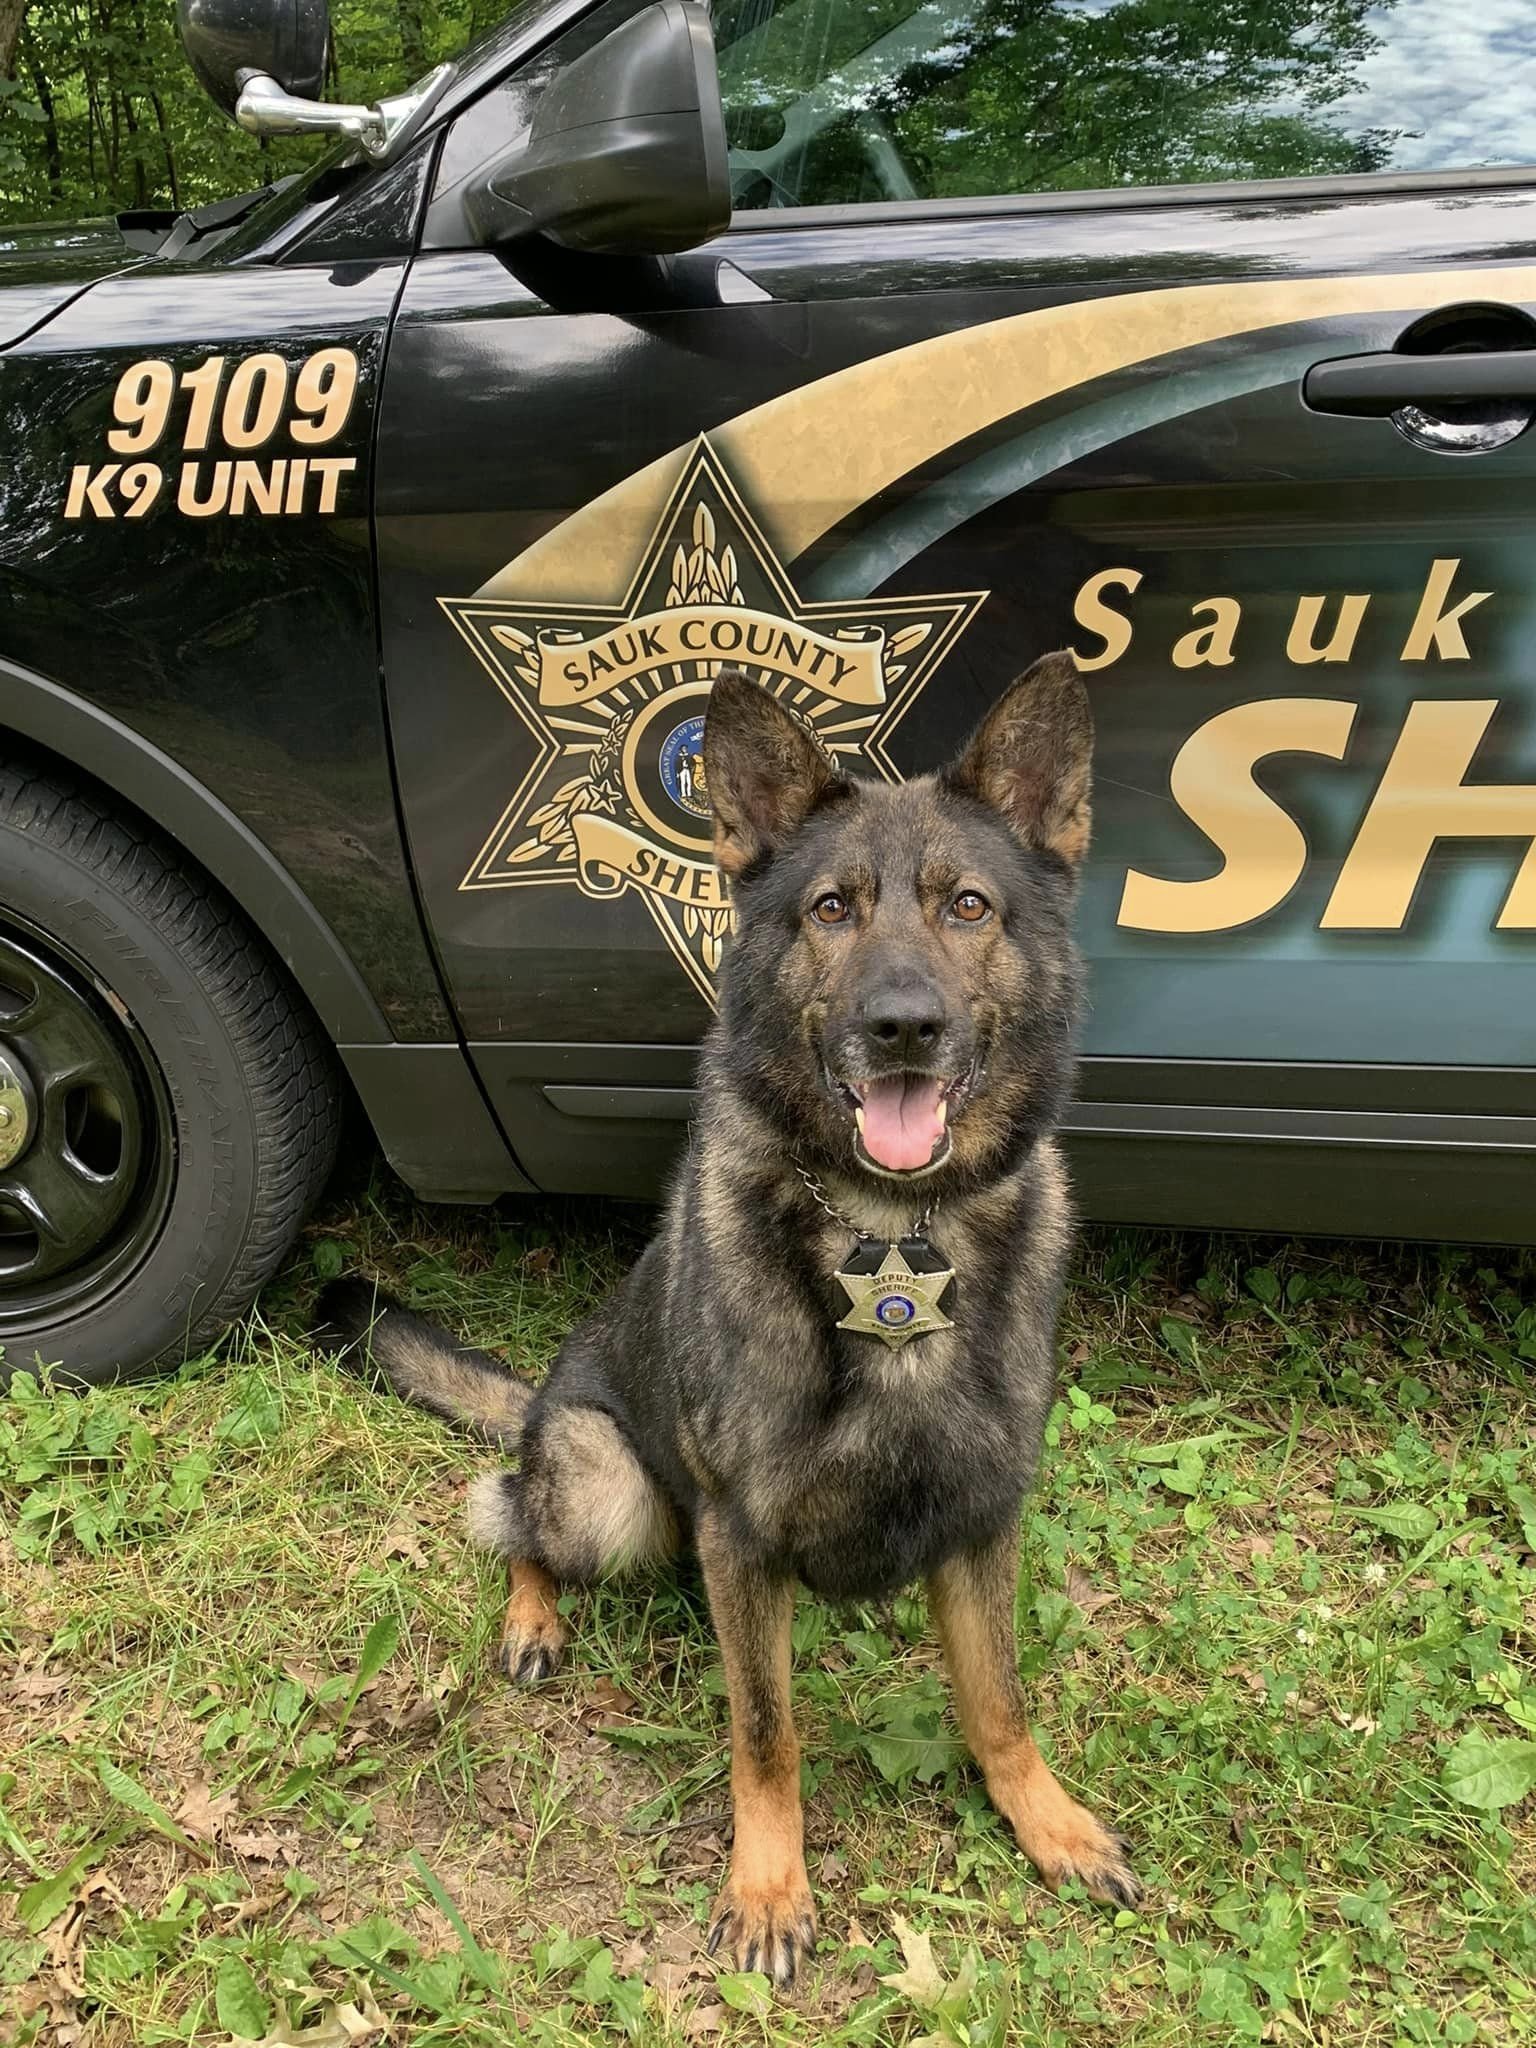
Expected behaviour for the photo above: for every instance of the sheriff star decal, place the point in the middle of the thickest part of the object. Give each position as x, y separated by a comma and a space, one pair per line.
616, 798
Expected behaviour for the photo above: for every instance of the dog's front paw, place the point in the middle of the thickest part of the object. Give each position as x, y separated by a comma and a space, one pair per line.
768, 1928
1064, 1840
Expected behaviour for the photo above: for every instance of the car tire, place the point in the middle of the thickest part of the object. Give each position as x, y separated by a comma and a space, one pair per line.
168, 1105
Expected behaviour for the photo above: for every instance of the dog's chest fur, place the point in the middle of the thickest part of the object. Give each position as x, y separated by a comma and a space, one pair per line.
906, 1467
859, 1466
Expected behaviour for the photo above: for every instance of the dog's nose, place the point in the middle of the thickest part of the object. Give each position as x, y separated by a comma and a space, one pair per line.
905, 1021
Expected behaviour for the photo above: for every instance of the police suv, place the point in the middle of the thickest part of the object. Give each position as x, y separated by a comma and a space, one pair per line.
368, 544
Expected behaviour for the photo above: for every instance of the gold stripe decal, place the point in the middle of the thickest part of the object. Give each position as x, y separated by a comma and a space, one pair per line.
817, 453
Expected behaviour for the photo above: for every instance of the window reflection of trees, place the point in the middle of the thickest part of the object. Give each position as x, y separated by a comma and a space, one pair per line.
840, 100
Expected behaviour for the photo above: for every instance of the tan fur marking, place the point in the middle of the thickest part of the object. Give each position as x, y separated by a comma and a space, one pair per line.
694, 1462
532, 1623
972, 1600
606, 1502
434, 1374
1052, 1236
765, 1910
485, 1511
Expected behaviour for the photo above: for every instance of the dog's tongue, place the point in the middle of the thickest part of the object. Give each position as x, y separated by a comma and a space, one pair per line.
901, 1120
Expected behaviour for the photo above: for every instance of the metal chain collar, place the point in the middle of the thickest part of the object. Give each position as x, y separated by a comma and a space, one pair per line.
818, 1194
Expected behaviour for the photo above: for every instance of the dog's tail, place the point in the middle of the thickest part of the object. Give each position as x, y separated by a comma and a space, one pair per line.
365, 1328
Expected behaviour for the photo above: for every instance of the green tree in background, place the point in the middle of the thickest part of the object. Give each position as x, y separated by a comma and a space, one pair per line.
99, 110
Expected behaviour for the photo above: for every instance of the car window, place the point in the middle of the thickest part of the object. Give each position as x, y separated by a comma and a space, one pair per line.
837, 101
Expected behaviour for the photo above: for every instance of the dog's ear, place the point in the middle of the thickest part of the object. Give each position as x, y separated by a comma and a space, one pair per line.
763, 769
1032, 758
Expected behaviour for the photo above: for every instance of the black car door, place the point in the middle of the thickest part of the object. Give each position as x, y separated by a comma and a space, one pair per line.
1009, 346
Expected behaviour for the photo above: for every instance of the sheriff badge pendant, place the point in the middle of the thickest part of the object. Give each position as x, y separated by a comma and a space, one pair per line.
894, 1286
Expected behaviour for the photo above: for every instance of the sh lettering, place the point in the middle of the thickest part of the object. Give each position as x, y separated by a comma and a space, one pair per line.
1424, 794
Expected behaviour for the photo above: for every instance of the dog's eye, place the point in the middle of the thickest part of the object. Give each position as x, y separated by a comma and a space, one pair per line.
970, 907
831, 909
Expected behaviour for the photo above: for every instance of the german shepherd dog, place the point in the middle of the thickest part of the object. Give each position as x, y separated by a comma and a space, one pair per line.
894, 1037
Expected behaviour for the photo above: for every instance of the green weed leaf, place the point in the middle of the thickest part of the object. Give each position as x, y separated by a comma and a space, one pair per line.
1406, 1521
238, 2001
1184, 1451
437, 1983
746, 1991
257, 1418
1490, 1772
370, 1941
10, 1838
560, 1951
329, 1258
647, 1735
130, 1793
434, 1984
1180, 1338
1523, 1501
293, 1788
904, 1736
20, 1960
624, 1997
379, 1645
189, 1475
42, 1903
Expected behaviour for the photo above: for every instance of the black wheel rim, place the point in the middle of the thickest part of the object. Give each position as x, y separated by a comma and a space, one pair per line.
86, 1150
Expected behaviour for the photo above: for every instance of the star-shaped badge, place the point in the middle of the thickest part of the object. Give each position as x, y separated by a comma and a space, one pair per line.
614, 799
895, 1303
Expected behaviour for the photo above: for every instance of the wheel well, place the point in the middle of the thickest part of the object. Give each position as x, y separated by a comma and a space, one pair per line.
128, 773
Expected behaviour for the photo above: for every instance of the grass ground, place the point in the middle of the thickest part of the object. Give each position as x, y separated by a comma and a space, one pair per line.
257, 1778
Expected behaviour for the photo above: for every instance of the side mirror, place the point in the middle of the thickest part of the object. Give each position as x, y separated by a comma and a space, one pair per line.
285, 40
626, 154
264, 62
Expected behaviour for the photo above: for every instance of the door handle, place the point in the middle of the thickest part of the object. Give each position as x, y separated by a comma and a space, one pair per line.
1376, 386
